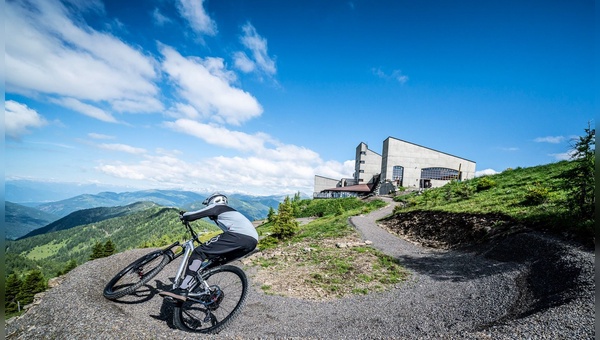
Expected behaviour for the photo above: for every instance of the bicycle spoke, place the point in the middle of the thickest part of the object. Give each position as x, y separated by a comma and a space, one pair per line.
213, 309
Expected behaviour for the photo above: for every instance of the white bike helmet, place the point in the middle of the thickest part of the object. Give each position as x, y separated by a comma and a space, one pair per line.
215, 198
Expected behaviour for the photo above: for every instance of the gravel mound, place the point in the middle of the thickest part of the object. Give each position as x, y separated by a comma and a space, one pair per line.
528, 285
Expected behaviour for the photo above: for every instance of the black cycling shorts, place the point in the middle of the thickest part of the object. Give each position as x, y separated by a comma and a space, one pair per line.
229, 246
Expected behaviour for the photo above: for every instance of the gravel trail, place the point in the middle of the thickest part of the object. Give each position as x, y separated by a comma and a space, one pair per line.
528, 286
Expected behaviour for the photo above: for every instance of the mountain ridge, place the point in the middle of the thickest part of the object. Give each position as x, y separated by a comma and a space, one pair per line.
91, 215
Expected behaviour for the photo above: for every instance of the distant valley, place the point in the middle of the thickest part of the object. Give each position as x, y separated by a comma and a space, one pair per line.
49, 235
24, 219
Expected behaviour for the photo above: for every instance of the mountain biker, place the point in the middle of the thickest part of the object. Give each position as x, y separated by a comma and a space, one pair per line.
239, 238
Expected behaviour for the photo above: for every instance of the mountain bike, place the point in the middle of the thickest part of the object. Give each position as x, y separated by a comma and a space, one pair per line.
214, 300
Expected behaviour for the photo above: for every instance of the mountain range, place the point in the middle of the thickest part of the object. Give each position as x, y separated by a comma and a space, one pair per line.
36, 218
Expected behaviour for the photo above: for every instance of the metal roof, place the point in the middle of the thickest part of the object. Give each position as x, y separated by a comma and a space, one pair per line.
352, 188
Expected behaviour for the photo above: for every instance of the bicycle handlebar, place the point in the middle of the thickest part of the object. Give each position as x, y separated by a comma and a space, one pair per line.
188, 226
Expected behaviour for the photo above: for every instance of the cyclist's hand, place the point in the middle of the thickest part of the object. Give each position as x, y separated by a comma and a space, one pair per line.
181, 218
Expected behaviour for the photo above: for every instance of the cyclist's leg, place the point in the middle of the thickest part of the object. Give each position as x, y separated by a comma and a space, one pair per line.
195, 262
228, 246
194, 265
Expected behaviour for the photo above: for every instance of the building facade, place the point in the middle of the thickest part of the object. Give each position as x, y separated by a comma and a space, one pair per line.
401, 165
412, 166
367, 164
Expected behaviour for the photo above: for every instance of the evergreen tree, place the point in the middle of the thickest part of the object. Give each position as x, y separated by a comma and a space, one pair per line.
13, 286
34, 283
97, 251
296, 204
271, 215
109, 248
580, 179
70, 266
285, 225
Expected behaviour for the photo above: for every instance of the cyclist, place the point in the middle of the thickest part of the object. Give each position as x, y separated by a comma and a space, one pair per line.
239, 238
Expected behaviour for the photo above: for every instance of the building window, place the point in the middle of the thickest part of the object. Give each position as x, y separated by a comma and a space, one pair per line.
443, 174
363, 152
362, 162
397, 173
361, 171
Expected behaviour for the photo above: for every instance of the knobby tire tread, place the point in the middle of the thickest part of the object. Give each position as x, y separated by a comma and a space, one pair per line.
110, 294
180, 308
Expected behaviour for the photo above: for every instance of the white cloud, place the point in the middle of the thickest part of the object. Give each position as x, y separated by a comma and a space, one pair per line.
159, 18
122, 148
194, 13
219, 136
251, 175
94, 135
485, 172
565, 156
396, 75
47, 52
550, 139
19, 118
243, 63
180, 110
257, 47
206, 85
86, 109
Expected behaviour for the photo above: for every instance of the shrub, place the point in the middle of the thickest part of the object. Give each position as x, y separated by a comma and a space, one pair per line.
536, 194
485, 183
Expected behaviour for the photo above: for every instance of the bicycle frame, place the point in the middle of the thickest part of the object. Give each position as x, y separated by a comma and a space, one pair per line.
188, 247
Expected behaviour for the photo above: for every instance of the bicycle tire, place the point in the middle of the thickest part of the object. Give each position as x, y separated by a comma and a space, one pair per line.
211, 313
134, 275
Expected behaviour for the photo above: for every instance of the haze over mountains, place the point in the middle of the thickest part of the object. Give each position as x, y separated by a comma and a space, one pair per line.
28, 210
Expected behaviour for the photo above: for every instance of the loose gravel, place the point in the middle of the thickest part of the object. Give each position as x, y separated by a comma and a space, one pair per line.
529, 286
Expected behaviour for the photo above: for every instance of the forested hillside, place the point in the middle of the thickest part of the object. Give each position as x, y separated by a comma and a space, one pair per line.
51, 252
87, 216
20, 220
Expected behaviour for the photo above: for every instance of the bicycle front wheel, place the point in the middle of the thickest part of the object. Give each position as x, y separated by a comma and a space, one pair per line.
210, 312
136, 274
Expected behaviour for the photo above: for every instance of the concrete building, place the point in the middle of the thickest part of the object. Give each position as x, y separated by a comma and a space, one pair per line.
401, 165
367, 164
412, 166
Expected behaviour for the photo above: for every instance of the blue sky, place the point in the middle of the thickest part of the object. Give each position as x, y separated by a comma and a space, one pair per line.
259, 96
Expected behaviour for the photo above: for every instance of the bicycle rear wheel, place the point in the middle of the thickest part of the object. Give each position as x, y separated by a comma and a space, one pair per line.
210, 312
136, 274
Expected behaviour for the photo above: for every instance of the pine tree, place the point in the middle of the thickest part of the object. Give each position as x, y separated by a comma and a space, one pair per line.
271, 215
97, 251
70, 266
13, 286
109, 248
34, 283
285, 225
296, 204
580, 179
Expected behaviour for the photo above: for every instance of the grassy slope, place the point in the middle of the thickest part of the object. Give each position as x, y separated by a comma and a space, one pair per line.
514, 194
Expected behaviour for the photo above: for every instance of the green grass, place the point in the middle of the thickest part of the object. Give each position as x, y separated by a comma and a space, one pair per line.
535, 197
45, 251
331, 270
